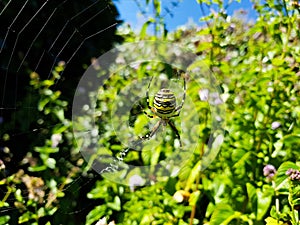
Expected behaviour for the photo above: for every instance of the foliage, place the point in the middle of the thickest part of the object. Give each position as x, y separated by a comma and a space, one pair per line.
253, 180
48, 169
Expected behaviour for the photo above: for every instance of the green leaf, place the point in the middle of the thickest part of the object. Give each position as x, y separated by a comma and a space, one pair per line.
43, 103
53, 210
116, 204
241, 157
291, 139
193, 175
3, 204
143, 32
278, 61
4, 220
280, 175
37, 168
60, 114
18, 195
100, 191
46, 150
47, 83
207, 2
2, 181
251, 191
140, 124
194, 197
116, 147
271, 221
41, 212
58, 129
97, 213
179, 211
260, 199
264, 200
157, 5
222, 214
25, 217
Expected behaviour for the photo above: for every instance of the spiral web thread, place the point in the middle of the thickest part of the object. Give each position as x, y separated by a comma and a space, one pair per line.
11, 38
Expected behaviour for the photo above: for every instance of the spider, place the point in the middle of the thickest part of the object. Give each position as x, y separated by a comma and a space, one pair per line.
165, 108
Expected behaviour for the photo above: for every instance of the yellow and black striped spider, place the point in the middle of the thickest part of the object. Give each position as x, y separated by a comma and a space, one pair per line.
165, 108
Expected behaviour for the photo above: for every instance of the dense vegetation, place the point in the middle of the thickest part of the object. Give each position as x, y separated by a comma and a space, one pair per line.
243, 87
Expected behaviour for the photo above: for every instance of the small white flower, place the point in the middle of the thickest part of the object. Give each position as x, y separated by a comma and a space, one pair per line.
55, 139
61, 63
203, 94
135, 180
270, 87
95, 132
237, 100
2, 165
275, 125
215, 99
102, 221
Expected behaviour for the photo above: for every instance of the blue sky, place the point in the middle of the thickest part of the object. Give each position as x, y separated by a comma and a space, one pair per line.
185, 11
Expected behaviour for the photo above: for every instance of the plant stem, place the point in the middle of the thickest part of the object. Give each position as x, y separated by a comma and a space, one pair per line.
294, 221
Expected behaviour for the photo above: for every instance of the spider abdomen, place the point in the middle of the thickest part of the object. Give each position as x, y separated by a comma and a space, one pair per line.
164, 102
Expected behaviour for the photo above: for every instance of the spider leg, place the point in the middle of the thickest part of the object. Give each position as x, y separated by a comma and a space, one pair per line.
148, 101
175, 115
172, 125
153, 131
147, 94
148, 115
183, 98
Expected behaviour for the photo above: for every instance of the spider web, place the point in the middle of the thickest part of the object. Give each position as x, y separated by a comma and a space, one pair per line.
36, 36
